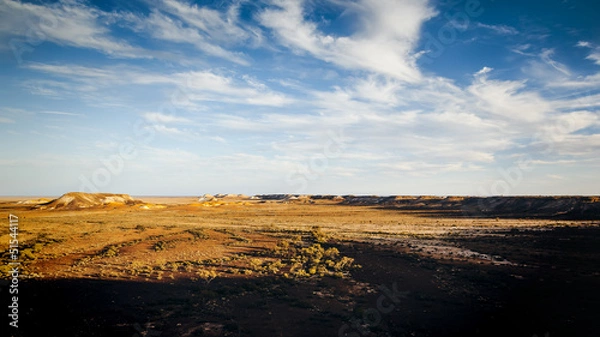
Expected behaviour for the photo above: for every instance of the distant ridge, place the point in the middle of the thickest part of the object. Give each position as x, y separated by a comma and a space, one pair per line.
549, 207
78, 200
557, 207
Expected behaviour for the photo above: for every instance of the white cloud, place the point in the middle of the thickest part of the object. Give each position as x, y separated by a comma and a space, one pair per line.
442, 127
567, 123
546, 58
159, 123
584, 44
483, 72
523, 49
433, 138
384, 44
222, 27
499, 29
168, 130
395, 120
59, 113
196, 86
576, 145
238, 123
67, 23
14, 115
379, 90
74, 71
157, 117
208, 86
425, 169
595, 56
508, 99
582, 82
577, 101
161, 26
73, 23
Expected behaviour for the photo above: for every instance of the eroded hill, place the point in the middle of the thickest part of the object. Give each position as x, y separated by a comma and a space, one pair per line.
79, 200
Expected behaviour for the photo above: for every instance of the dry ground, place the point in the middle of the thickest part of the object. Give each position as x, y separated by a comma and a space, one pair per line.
177, 267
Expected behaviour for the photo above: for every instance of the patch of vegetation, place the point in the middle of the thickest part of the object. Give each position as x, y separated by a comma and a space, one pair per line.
45, 239
139, 269
293, 259
28, 252
109, 251
240, 238
164, 245
207, 275
198, 233
318, 235
114, 249
234, 236
160, 245
316, 260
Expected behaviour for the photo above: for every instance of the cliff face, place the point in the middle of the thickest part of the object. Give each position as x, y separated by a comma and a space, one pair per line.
559, 207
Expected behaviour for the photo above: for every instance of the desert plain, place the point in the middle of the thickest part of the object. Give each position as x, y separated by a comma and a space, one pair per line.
296, 265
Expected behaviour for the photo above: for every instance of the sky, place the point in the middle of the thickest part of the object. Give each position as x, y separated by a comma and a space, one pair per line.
386, 97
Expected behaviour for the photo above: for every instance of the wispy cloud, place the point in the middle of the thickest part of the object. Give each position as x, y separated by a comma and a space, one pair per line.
67, 23
584, 44
508, 99
196, 85
346, 71
222, 27
595, 51
595, 56
546, 58
60, 113
209, 86
157, 117
499, 29
383, 43
163, 27
163, 124
523, 49
589, 82
169, 130
9, 115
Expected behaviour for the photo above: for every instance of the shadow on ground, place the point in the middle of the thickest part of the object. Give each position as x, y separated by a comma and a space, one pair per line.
551, 290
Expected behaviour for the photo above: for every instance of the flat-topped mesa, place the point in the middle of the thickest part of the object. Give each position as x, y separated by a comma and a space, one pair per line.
559, 207
296, 197
79, 200
230, 196
222, 196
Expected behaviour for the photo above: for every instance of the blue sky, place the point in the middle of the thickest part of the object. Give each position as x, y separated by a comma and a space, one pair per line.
176, 97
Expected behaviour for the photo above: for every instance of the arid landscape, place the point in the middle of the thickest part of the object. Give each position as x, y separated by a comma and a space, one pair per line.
300, 265
336, 168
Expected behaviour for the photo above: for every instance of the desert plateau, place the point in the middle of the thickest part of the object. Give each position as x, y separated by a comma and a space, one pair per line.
306, 265
287, 168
